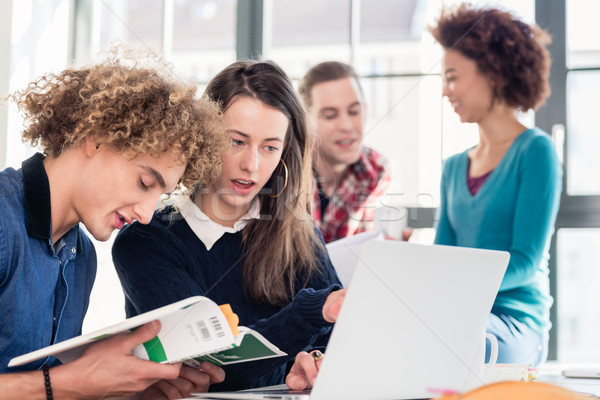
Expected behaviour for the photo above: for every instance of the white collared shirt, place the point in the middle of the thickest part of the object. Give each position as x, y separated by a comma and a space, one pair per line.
209, 231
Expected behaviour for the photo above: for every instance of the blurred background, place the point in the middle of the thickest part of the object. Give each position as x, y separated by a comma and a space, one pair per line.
408, 121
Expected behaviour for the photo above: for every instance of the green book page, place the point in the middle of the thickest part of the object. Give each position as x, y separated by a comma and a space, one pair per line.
253, 347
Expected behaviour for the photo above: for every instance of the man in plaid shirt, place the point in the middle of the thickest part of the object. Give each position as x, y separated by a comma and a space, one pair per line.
349, 176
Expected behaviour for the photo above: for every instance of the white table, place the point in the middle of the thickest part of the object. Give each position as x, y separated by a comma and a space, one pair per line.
552, 373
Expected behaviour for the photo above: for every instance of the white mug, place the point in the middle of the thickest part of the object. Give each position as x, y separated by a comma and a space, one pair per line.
477, 365
391, 220
493, 350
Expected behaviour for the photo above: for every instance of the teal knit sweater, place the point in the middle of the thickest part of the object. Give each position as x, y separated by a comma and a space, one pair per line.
514, 210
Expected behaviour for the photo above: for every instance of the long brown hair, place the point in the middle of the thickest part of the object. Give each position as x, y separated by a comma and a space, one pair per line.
281, 247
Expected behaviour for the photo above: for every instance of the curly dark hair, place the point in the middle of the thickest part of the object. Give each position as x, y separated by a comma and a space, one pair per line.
509, 52
133, 108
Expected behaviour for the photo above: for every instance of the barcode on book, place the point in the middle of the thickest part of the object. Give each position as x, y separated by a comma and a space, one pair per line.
217, 325
203, 330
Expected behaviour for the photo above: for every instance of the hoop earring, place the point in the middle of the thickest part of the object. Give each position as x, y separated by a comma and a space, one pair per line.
285, 181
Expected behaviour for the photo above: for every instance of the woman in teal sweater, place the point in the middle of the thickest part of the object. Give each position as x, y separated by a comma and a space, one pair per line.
503, 193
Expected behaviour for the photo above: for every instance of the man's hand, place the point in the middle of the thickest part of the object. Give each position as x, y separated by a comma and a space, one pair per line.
109, 369
189, 381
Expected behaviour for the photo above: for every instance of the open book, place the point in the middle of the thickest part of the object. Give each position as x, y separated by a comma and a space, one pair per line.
192, 330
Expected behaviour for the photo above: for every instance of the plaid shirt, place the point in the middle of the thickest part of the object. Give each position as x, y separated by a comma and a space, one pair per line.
351, 208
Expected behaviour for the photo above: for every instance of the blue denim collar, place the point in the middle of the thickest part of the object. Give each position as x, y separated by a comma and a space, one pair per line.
38, 215
37, 198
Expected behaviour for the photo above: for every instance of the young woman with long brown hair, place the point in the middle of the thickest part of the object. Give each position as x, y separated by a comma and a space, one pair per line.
248, 238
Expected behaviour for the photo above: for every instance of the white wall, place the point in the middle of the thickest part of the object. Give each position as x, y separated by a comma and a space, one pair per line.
35, 41
5, 32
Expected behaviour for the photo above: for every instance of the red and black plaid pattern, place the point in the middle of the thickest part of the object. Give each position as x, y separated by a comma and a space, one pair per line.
351, 208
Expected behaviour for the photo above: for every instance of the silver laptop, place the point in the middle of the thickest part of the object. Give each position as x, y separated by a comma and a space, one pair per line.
410, 325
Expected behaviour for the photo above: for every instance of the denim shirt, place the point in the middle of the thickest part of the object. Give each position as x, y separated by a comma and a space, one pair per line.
44, 289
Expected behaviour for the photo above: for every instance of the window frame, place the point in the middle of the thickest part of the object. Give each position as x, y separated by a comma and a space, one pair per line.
576, 211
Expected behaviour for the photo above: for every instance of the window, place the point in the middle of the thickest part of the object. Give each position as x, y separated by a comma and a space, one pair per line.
583, 86
196, 36
575, 79
578, 276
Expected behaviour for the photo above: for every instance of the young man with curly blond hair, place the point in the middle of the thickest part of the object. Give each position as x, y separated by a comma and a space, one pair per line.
114, 138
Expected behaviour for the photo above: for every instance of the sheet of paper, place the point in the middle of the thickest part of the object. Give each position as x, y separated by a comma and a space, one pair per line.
345, 253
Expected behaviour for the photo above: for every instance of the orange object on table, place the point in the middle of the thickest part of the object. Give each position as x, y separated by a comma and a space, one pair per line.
510, 390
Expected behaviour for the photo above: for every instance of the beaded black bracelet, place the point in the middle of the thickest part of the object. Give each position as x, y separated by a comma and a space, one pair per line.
45, 369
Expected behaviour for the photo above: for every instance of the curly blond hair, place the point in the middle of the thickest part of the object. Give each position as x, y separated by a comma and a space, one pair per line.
132, 108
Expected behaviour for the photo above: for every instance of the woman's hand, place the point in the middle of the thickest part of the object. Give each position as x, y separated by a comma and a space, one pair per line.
406, 234
304, 371
333, 304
